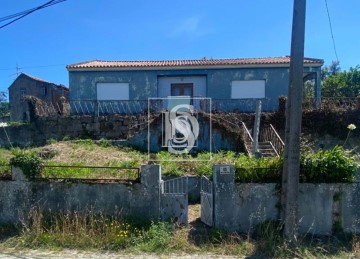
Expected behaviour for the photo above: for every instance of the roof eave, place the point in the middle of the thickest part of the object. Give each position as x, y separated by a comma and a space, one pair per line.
140, 68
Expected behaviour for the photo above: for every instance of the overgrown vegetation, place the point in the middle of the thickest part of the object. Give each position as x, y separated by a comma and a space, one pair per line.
90, 230
340, 84
29, 162
327, 166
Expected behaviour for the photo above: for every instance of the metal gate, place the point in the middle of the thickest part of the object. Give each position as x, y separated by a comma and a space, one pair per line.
174, 200
207, 201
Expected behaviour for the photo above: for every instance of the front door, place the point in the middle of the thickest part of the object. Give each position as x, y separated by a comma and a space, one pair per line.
182, 89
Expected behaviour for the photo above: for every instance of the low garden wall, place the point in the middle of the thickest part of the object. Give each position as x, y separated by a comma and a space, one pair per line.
142, 199
323, 208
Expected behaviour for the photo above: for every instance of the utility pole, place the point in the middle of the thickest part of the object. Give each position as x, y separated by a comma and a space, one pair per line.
291, 170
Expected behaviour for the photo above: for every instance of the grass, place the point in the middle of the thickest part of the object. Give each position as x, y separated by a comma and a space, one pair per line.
87, 152
90, 230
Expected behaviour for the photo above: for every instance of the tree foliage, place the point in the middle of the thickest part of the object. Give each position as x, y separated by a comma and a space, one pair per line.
4, 105
340, 84
2, 97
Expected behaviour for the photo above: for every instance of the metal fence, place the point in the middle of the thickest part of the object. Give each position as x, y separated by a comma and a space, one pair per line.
175, 186
90, 173
154, 105
243, 105
125, 107
332, 104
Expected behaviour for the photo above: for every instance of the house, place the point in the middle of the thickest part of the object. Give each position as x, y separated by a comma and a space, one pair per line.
232, 84
27, 85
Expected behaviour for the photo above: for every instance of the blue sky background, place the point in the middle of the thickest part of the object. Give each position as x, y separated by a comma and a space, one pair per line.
44, 42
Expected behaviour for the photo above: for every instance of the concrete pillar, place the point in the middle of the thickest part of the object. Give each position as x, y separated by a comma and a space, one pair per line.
151, 179
151, 175
224, 182
17, 174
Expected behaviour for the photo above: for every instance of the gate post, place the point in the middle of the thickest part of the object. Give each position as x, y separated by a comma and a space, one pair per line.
151, 179
224, 182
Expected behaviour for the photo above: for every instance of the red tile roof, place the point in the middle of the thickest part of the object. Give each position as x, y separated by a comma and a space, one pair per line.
285, 60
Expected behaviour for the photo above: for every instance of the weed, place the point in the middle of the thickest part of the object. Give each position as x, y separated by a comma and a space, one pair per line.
51, 141
104, 143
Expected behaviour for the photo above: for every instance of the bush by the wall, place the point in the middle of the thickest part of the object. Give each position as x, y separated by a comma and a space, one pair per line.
328, 166
28, 161
264, 170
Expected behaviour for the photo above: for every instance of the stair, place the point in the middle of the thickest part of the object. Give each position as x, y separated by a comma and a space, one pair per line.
270, 144
266, 149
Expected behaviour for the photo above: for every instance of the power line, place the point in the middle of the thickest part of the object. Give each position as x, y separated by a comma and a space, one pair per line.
331, 30
43, 66
20, 15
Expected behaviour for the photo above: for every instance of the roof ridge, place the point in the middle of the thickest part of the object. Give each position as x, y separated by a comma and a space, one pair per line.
42, 80
189, 62
35, 78
162, 60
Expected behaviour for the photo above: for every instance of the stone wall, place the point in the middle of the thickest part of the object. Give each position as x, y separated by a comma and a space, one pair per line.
122, 130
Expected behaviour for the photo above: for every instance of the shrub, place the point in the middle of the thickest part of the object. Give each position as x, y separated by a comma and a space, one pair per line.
328, 166
28, 161
250, 169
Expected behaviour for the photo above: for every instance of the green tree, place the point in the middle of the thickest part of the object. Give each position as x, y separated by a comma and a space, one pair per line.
4, 105
332, 69
342, 84
4, 109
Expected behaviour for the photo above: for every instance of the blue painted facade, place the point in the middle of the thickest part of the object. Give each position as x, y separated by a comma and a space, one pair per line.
144, 83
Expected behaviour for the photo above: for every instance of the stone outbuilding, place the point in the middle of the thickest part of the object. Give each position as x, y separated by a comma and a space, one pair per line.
27, 85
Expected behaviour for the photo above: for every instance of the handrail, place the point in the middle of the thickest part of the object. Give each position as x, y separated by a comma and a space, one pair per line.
270, 135
276, 134
247, 139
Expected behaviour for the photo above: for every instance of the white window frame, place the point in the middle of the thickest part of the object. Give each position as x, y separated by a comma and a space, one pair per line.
248, 89
112, 91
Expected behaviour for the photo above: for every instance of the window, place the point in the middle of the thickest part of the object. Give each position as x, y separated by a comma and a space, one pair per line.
44, 91
113, 91
22, 93
248, 89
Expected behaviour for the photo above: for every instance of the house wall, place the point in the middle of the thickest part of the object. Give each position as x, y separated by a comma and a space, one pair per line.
18, 108
152, 83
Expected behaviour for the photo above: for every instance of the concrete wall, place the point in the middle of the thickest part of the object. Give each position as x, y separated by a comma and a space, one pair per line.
144, 84
132, 199
321, 206
17, 197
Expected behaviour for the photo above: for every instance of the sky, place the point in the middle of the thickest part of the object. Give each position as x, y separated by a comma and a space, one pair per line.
44, 42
